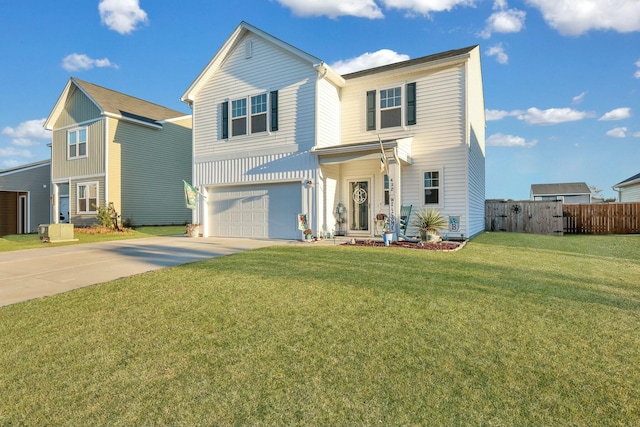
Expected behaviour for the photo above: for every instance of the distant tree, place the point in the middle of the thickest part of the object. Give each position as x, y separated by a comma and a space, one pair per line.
597, 193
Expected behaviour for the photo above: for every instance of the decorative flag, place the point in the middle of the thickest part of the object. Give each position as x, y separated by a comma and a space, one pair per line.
383, 158
190, 195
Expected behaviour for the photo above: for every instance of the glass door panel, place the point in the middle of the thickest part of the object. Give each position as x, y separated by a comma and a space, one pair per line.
359, 220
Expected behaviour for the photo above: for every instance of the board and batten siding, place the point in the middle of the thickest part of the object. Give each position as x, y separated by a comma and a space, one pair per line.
92, 164
78, 109
153, 163
266, 156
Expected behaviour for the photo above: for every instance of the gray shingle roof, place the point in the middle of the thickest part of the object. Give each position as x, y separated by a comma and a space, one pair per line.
114, 102
567, 188
410, 62
633, 178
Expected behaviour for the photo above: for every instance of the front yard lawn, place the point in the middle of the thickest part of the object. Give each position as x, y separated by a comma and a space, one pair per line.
513, 329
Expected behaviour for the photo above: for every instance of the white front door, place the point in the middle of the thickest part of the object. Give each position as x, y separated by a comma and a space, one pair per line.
360, 203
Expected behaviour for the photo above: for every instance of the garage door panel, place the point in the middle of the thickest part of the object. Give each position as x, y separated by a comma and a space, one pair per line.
262, 211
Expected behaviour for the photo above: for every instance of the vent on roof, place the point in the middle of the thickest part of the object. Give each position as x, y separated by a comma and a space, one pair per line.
248, 49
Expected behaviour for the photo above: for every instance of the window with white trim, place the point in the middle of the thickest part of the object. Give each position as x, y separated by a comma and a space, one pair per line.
259, 113
432, 186
386, 189
77, 143
390, 107
239, 117
87, 198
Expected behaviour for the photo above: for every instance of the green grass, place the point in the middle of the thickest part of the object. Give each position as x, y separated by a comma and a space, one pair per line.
16, 242
512, 330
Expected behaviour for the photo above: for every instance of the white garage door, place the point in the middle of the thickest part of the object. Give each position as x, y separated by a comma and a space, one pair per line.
262, 211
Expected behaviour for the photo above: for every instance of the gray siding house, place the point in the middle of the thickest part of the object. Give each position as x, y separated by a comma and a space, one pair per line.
109, 147
629, 189
278, 133
570, 192
25, 197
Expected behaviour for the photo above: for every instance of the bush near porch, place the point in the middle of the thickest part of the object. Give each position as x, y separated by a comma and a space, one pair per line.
514, 329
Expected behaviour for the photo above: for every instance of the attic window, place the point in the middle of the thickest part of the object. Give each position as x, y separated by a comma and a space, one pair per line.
248, 49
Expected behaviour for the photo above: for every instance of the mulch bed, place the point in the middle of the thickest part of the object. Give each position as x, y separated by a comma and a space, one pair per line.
441, 246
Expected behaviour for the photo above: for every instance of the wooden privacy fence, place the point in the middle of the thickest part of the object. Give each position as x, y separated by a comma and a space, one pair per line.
524, 216
605, 218
554, 217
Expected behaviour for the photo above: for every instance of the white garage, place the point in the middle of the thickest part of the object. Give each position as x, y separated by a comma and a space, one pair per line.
257, 211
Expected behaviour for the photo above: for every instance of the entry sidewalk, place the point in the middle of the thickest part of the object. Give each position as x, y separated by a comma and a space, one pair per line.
35, 273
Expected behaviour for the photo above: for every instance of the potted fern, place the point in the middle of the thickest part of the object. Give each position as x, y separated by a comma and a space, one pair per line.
429, 221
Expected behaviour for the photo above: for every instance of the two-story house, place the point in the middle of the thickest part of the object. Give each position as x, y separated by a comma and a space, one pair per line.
109, 147
277, 133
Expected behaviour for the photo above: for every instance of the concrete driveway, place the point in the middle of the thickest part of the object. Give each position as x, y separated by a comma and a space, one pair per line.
35, 273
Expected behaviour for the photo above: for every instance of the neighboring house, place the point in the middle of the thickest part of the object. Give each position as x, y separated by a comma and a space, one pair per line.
277, 133
629, 189
570, 192
108, 147
25, 197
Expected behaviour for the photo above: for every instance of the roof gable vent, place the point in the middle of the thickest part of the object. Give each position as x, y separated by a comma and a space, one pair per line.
248, 49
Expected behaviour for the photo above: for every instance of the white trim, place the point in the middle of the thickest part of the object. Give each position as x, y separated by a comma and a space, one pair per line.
77, 143
440, 187
371, 198
154, 125
106, 160
85, 123
247, 183
68, 179
88, 183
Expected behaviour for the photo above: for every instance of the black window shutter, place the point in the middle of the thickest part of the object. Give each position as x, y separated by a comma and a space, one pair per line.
225, 120
411, 104
371, 110
274, 111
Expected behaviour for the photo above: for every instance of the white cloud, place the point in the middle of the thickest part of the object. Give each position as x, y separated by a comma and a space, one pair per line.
122, 16
500, 114
15, 152
29, 129
501, 140
334, 8
636, 134
499, 53
617, 114
368, 60
425, 7
552, 116
77, 62
504, 20
578, 99
576, 17
618, 132
637, 73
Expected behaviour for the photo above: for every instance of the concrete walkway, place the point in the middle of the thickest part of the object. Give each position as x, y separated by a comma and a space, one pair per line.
35, 273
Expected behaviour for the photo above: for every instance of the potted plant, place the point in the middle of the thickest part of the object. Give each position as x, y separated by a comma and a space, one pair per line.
308, 234
193, 230
428, 221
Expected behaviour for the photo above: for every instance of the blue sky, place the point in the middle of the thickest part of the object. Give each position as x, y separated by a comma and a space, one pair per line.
561, 77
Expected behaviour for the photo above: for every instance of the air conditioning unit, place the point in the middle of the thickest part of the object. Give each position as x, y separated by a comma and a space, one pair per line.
43, 232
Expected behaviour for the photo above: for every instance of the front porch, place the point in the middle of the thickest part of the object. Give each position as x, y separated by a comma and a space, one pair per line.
359, 187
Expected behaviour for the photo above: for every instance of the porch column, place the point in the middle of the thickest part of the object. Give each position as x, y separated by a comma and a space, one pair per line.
394, 195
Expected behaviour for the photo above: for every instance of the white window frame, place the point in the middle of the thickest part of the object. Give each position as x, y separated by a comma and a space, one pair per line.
249, 114
380, 109
232, 118
77, 143
440, 187
87, 185
265, 112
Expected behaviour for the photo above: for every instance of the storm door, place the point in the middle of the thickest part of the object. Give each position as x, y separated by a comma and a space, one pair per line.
360, 201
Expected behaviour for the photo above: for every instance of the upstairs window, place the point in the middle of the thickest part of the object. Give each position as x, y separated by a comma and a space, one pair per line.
239, 117
432, 188
390, 108
262, 115
259, 113
87, 201
77, 143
